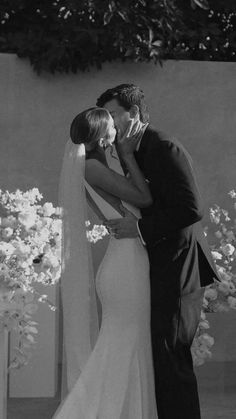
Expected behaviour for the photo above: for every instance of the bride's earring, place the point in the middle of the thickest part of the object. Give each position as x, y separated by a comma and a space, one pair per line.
102, 143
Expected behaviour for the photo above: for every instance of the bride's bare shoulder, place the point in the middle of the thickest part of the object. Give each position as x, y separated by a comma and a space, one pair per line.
94, 169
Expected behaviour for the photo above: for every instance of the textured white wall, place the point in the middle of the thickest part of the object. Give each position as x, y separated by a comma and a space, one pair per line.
195, 101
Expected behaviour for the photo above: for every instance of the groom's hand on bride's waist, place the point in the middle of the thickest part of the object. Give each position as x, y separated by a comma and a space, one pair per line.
125, 227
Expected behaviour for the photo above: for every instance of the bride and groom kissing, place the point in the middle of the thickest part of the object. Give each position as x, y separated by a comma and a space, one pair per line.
134, 360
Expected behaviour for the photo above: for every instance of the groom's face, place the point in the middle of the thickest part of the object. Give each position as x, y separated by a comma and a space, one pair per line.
120, 115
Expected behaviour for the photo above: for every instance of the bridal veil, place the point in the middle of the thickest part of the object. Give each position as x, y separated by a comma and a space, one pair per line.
79, 306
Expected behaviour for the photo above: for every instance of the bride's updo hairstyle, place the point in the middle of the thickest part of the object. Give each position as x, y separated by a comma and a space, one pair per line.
89, 126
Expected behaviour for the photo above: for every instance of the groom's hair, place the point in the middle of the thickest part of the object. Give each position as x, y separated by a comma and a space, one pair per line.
126, 95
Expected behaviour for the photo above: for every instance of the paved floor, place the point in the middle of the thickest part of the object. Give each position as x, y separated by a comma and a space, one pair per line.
217, 390
212, 407
44, 408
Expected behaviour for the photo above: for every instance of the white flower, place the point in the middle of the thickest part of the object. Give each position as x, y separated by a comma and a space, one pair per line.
21, 203
206, 339
48, 209
31, 329
50, 261
56, 226
21, 249
6, 249
222, 307
44, 234
41, 277
196, 360
58, 211
24, 265
218, 234
203, 315
39, 225
29, 297
224, 287
204, 324
223, 273
214, 216
230, 235
7, 232
9, 221
56, 273
232, 302
97, 233
4, 269
216, 255
47, 248
232, 193
47, 222
228, 249
27, 218
210, 294
34, 195
30, 308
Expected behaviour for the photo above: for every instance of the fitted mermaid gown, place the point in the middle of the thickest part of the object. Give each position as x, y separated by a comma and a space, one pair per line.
117, 381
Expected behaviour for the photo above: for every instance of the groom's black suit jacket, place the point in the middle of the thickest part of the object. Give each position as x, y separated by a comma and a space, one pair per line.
180, 259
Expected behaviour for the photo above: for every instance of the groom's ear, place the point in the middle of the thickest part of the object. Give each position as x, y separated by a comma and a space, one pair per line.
134, 111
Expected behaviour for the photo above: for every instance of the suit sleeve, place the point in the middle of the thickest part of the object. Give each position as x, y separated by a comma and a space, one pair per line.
178, 203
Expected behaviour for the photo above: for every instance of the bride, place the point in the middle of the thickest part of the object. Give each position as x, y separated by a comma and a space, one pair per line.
109, 371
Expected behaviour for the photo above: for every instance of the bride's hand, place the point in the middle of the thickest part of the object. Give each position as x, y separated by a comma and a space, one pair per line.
125, 227
127, 142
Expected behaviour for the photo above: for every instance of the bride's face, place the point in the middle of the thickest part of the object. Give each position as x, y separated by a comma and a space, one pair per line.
111, 132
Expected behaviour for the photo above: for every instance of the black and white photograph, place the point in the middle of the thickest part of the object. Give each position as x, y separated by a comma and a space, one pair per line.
118, 209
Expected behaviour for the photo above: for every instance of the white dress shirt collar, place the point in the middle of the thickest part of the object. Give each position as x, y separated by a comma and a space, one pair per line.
143, 129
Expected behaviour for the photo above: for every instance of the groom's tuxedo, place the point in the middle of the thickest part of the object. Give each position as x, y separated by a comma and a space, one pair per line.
180, 266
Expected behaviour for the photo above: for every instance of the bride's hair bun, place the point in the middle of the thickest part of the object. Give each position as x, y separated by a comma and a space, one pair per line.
89, 126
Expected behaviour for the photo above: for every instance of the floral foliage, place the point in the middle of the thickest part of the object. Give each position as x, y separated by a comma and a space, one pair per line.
221, 295
98, 232
30, 253
70, 35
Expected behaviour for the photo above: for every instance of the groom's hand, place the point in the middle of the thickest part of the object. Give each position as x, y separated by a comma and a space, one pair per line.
126, 144
123, 227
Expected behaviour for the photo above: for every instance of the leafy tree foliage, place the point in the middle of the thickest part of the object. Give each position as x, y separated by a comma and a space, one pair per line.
67, 35
209, 34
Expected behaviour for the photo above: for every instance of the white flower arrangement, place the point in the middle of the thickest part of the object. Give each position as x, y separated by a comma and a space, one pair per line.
30, 253
96, 233
221, 295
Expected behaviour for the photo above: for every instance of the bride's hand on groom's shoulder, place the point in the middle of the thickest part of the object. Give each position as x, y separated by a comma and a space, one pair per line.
125, 227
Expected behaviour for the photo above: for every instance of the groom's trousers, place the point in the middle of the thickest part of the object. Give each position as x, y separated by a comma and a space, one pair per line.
174, 321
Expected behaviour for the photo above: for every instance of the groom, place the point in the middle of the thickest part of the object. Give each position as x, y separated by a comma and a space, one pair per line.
180, 260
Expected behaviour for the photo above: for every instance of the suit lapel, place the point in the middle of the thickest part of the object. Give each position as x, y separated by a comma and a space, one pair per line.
143, 147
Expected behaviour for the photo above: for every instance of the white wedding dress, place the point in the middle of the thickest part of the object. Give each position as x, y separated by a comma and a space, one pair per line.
117, 381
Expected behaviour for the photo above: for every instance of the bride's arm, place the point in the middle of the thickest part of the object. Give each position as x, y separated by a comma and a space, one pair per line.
133, 190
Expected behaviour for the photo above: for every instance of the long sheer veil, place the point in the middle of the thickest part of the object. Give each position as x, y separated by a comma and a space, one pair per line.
79, 306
